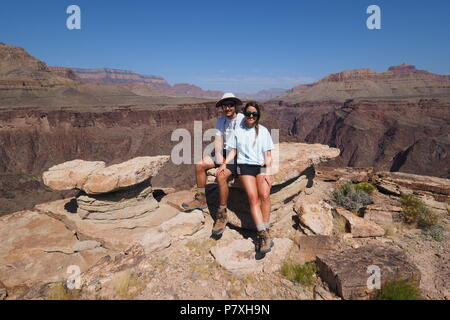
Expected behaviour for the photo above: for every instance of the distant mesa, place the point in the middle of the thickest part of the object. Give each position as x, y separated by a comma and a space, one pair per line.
402, 81
403, 68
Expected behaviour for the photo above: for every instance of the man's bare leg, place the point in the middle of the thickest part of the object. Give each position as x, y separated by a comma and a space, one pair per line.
199, 201
200, 171
221, 218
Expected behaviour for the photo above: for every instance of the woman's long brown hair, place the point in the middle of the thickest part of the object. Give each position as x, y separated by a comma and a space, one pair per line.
255, 105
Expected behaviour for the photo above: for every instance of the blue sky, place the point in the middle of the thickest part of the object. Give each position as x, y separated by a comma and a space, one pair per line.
240, 46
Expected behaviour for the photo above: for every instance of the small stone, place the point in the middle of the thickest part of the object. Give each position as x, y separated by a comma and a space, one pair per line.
250, 290
316, 217
359, 227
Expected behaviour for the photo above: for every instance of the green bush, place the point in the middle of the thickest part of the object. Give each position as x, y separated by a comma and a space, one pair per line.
366, 187
304, 274
399, 290
435, 232
349, 197
414, 211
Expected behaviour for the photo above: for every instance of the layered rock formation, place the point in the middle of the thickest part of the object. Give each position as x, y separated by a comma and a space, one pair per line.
399, 81
114, 76
114, 193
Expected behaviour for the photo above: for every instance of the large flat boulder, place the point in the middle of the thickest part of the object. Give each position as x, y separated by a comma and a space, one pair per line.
294, 158
123, 175
347, 273
71, 174
93, 177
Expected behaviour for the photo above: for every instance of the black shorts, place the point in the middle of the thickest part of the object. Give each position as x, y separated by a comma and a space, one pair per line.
250, 169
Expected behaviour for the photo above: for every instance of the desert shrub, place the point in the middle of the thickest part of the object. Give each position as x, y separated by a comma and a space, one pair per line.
435, 232
304, 274
366, 187
59, 292
414, 211
350, 198
399, 290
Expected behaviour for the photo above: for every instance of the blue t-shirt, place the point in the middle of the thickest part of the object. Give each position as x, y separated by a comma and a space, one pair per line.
249, 151
225, 127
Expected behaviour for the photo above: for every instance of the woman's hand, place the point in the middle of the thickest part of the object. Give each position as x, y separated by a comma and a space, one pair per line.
221, 170
268, 179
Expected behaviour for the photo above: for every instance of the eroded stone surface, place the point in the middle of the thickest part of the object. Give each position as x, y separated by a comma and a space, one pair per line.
37, 248
317, 217
238, 256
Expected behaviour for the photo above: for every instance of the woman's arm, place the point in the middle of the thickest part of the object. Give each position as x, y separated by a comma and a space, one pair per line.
268, 167
268, 161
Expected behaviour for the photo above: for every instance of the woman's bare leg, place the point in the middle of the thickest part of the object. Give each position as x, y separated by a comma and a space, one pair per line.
251, 188
264, 197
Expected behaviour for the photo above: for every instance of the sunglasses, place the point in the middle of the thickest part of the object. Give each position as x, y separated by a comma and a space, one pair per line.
249, 114
228, 106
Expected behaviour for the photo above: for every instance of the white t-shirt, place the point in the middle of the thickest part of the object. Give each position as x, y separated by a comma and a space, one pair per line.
248, 151
226, 127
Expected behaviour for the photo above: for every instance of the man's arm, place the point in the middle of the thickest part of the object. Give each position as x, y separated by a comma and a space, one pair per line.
218, 147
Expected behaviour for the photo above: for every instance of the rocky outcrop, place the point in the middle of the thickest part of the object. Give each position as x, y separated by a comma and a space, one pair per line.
348, 273
398, 182
120, 191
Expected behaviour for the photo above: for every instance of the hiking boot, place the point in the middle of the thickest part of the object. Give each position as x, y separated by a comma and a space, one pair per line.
220, 223
199, 202
265, 243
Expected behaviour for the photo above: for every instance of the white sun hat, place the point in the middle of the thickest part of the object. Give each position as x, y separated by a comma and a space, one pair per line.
228, 96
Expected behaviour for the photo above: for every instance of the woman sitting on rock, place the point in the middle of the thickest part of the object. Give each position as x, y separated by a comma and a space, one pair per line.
253, 144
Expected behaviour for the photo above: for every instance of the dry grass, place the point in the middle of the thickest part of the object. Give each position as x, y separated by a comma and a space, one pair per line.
127, 286
59, 292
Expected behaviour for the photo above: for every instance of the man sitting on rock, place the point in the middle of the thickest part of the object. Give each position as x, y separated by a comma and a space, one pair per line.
225, 126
